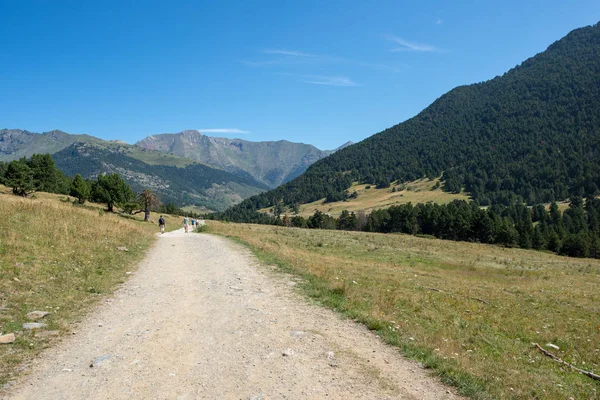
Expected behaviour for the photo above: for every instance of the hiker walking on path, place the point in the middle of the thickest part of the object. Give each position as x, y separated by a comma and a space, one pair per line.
161, 224
185, 224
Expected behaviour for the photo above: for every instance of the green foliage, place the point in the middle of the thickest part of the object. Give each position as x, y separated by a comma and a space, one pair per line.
321, 221
39, 172
347, 221
19, 177
80, 189
112, 190
45, 174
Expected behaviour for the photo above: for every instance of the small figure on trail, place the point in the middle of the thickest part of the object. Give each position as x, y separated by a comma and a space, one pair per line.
193, 223
161, 224
185, 224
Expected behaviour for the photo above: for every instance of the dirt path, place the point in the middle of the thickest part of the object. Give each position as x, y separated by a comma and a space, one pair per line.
201, 319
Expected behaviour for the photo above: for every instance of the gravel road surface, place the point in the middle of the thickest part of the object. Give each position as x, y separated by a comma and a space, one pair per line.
201, 319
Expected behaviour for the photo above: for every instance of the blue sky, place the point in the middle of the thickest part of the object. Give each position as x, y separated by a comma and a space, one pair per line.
319, 72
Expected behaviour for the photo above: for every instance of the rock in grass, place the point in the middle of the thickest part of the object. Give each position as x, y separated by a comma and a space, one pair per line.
122, 248
35, 315
8, 338
33, 325
9, 384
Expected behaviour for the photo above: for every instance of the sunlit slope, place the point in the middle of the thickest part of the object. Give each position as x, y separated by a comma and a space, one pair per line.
369, 198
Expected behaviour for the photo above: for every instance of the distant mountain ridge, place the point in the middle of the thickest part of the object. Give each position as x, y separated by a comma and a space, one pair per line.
270, 162
228, 170
529, 136
17, 143
194, 184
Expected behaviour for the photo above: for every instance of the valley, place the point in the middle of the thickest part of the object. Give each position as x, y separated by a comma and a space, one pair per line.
452, 252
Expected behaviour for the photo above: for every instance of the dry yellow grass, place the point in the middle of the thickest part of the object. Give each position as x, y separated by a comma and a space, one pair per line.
419, 191
60, 258
387, 282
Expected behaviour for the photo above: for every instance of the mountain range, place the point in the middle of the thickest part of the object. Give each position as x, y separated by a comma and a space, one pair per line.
271, 163
187, 168
529, 136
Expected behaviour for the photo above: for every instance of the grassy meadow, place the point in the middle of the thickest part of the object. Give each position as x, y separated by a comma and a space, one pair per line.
470, 312
59, 258
420, 191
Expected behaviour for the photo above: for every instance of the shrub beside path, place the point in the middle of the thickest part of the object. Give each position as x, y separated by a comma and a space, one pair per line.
201, 319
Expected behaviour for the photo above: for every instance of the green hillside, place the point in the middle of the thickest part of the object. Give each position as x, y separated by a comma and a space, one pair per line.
194, 184
531, 135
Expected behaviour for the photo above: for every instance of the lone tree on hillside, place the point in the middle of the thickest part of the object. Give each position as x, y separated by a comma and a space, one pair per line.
149, 201
20, 177
80, 189
112, 190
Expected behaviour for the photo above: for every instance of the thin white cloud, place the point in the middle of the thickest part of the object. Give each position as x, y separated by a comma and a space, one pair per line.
293, 53
224, 130
329, 80
292, 57
405, 45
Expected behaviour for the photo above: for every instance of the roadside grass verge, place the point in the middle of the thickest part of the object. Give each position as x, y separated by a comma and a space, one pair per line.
59, 258
467, 311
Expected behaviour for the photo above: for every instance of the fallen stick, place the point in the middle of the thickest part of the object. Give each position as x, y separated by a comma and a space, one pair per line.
435, 290
481, 300
558, 360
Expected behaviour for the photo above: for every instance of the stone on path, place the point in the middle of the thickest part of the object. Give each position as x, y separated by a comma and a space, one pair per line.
8, 338
35, 315
99, 360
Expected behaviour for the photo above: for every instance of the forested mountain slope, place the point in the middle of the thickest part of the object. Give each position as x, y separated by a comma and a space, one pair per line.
195, 184
531, 135
271, 163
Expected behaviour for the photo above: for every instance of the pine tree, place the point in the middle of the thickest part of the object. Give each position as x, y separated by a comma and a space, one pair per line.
19, 176
80, 189
112, 190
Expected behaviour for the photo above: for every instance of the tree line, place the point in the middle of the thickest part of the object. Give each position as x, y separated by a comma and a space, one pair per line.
574, 232
39, 173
